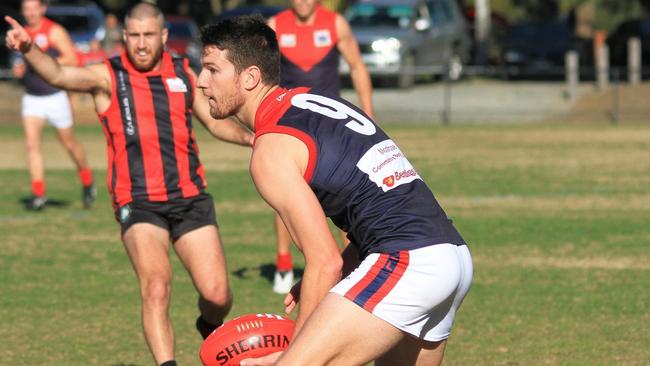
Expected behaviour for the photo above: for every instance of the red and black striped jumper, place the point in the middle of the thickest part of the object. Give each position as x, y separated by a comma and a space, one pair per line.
151, 147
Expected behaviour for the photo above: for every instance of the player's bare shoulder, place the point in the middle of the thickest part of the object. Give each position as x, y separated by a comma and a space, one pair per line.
342, 26
102, 76
271, 22
102, 85
274, 150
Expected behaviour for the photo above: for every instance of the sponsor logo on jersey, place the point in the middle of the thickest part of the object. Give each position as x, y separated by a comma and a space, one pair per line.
41, 41
129, 128
322, 38
288, 40
405, 174
389, 181
176, 85
280, 97
386, 166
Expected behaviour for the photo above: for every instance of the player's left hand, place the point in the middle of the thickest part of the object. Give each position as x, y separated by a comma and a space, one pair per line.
17, 37
292, 298
262, 361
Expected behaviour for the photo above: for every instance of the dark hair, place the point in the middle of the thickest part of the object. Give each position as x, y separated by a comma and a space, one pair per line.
249, 41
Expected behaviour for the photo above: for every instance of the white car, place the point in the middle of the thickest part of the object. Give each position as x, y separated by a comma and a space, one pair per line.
402, 39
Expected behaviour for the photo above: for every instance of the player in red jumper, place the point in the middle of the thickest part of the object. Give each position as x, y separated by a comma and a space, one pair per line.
145, 99
393, 293
43, 103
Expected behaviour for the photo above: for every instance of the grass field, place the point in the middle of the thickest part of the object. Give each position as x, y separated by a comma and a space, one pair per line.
557, 217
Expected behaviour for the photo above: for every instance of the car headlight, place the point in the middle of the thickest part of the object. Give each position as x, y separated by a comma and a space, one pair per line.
388, 45
514, 56
193, 50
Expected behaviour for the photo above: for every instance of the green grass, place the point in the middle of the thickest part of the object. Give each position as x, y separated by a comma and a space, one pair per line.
556, 217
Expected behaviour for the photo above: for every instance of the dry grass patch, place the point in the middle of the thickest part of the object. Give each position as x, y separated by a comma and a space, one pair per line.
609, 263
589, 202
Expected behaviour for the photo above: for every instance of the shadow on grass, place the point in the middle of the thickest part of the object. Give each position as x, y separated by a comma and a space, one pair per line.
265, 270
51, 202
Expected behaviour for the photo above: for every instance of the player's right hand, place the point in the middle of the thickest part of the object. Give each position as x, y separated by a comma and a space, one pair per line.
292, 298
17, 37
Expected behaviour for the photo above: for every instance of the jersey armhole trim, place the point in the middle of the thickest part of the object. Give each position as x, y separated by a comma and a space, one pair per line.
305, 138
113, 98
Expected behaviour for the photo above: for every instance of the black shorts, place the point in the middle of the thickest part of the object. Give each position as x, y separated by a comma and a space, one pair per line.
177, 216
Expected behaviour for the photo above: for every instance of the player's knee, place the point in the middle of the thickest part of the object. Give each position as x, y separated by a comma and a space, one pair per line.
219, 296
32, 145
156, 291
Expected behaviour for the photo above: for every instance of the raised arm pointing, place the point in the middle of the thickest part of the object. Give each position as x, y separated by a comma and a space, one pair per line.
93, 79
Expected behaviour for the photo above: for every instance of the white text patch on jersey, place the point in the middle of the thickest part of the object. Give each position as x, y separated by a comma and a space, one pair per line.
387, 166
288, 40
322, 38
176, 85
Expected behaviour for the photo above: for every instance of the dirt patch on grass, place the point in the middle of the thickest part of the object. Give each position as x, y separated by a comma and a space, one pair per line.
611, 263
629, 101
552, 202
215, 155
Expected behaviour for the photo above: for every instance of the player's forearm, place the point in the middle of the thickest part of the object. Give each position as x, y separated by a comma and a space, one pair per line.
230, 131
363, 86
317, 280
68, 60
44, 65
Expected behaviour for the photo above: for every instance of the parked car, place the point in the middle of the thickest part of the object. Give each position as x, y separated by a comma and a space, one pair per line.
265, 11
402, 39
537, 49
84, 22
617, 42
183, 39
499, 25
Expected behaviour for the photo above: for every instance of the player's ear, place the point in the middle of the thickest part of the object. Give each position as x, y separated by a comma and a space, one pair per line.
165, 34
252, 76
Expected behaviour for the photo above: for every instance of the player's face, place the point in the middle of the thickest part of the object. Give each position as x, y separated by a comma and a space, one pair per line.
144, 40
304, 8
33, 11
220, 82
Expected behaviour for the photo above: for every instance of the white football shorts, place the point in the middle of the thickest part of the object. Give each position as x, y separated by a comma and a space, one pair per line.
54, 108
417, 291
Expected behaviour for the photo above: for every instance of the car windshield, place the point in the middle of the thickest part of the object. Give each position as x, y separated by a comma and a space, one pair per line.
72, 23
379, 15
539, 32
180, 30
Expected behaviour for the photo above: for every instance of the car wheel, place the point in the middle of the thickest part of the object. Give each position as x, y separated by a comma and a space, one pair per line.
406, 78
455, 67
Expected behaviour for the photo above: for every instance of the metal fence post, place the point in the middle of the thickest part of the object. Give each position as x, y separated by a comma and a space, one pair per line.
634, 60
602, 67
614, 115
446, 108
571, 71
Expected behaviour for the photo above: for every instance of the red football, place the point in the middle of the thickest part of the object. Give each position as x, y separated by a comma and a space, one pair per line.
248, 336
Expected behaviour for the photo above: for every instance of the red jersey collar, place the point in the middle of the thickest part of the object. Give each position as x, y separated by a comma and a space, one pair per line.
318, 13
267, 111
46, 23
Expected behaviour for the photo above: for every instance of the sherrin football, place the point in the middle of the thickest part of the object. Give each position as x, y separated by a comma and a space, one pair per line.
247, 336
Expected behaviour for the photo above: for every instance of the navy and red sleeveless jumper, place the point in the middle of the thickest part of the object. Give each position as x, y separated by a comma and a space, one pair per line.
152, 150
363, 181
34, 84
308, 53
